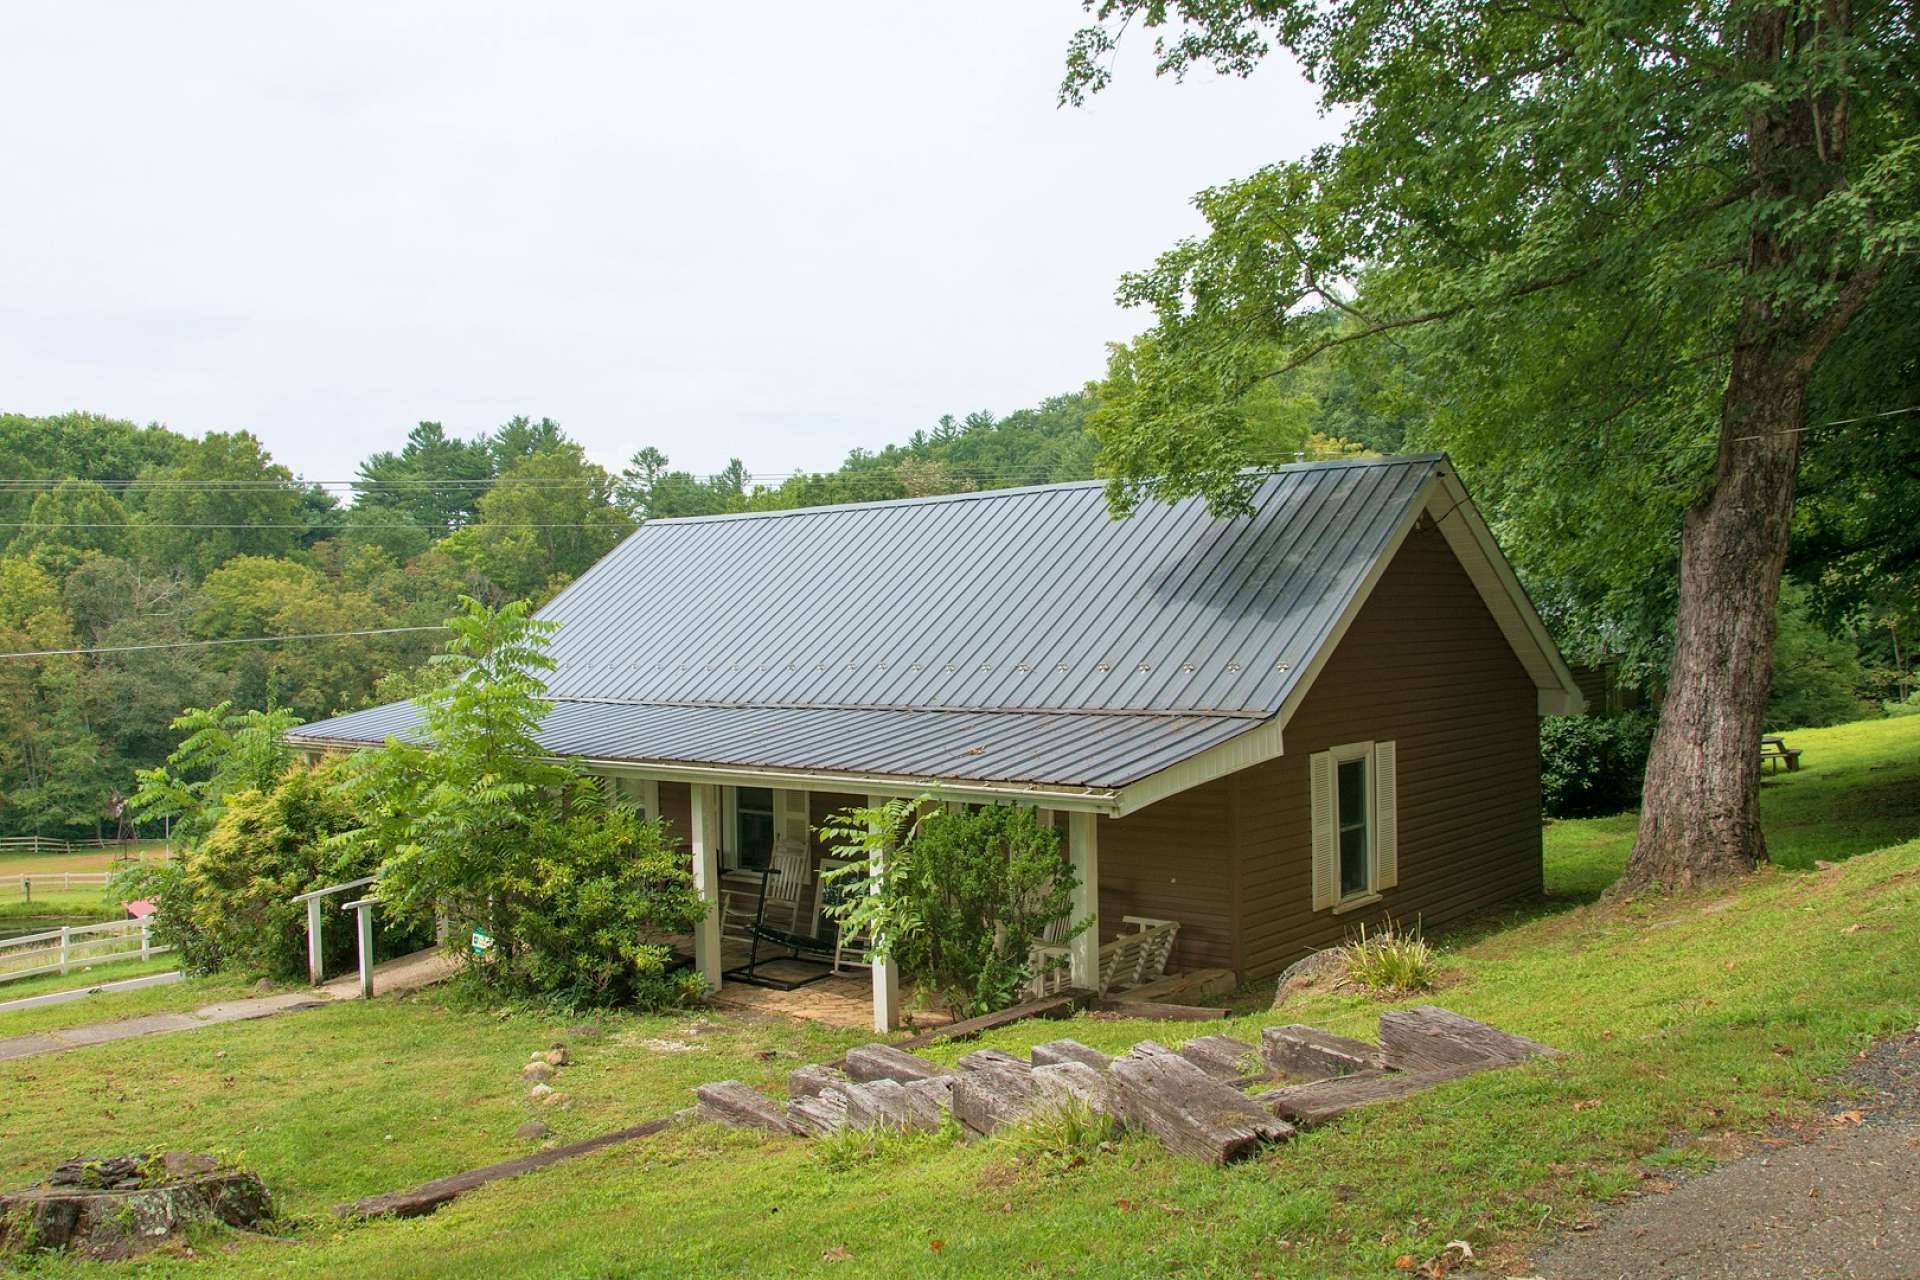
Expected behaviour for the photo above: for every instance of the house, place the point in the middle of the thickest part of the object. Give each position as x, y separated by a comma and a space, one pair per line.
1270, 728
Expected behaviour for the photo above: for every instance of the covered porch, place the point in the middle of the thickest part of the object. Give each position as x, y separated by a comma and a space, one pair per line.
755, 853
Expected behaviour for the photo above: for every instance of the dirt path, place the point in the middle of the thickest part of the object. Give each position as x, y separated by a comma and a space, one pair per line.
1845, 1204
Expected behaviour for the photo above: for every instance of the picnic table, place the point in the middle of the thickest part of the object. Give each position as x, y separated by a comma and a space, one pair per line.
1774, 752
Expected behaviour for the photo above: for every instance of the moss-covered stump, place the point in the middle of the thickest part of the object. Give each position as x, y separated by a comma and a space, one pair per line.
119, 1206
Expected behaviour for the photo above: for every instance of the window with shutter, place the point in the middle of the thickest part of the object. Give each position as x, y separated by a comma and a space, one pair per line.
1355, 816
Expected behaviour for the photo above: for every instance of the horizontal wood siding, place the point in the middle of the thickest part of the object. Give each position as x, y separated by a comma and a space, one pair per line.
1425, 665
676, 806
1174, 859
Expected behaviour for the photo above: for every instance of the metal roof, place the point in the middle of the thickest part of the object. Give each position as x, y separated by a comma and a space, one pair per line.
1017, 635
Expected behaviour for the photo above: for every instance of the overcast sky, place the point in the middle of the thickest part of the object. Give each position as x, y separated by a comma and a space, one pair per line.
771, 231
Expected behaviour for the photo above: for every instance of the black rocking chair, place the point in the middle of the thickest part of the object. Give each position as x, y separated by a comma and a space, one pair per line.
795, 945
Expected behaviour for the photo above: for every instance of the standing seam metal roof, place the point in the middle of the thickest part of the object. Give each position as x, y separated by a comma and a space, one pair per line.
1016, 635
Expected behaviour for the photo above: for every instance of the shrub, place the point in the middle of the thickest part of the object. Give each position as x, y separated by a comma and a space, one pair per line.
962, 897
1910, 707
1591, 765
577, 892
1392, 960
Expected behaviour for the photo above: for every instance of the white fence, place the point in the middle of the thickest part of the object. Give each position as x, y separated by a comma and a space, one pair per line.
48, 881
62, 949
53, 844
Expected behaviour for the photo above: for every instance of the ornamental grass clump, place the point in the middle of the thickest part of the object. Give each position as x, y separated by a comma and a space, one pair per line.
1392, 960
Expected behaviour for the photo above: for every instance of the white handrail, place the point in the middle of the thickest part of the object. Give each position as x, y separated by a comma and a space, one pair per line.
332, 889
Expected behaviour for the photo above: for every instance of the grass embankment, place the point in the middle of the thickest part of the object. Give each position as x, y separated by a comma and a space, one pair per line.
1689, 1021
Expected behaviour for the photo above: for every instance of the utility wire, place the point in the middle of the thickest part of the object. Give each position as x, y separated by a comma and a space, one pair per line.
201, 644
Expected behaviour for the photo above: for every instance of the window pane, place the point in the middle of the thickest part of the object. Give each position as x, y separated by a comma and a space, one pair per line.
1353, 861
1351, 817
1353, 793
754, 807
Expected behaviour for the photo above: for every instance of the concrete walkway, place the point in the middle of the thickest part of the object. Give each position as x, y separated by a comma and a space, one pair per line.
395, 977
101, 989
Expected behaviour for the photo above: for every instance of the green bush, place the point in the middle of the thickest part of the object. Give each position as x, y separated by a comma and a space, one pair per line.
961, 898
1592, 765
1911, 707
576, 891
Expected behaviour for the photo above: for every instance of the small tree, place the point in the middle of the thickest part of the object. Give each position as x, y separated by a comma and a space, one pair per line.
224, 753
958, 899
576, 891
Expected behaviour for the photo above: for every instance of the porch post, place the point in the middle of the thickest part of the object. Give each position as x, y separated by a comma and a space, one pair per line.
1083, 849
706, 880
316, 951
886, 972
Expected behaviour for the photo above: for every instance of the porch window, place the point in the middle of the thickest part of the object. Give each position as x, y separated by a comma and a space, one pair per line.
753, 827
1355, 818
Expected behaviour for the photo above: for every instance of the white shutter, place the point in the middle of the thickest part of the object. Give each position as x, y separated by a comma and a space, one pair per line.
1326, 872
790, 813
1386, 818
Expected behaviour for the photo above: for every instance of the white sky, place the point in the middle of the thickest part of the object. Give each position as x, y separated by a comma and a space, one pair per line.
771, 231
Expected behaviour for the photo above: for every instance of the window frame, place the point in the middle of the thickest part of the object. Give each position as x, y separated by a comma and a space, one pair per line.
733, 845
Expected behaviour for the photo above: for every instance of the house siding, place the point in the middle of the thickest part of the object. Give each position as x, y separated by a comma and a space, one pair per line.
1425, 665
1175, 860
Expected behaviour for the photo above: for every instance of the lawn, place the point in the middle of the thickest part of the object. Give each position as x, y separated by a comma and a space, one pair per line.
1690, 1021
84, 976
52, 902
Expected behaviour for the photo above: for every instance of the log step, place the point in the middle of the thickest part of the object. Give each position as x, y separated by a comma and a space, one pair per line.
1156, 1090
819, 1114
1311, 1105
1069, 1051
740, 1106
884, 1062
888, 1104
1309, 1053
993, 1096
983, 1058
809, 1081
1222, 1057
1428, 1038
1057, 1085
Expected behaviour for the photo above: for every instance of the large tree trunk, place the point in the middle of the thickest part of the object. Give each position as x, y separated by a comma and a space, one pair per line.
1700, 814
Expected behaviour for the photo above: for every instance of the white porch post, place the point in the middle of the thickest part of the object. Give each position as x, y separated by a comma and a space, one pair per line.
1083, 849
706, 880
886, 973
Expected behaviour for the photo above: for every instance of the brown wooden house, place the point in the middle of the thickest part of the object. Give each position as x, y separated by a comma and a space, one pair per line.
1270, 728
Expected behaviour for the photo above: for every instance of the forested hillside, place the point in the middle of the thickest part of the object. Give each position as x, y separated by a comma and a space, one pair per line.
139, 545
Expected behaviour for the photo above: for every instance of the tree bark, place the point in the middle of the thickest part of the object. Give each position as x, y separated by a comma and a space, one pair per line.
1700, 810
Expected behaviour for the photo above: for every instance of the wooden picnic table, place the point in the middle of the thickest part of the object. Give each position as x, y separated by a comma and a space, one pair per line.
1774, 752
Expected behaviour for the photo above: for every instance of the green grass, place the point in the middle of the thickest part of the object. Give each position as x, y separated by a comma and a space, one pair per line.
1857, 788
1689, 1021
83, 976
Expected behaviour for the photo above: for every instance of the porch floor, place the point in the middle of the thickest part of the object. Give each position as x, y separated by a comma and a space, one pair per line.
844, 1000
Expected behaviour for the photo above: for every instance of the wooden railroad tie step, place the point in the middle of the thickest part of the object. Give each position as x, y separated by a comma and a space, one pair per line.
884, 1062
1311, 1105
740, 1106
1308, 1053
1222, 1057
1155, 1090
1428, 1038
1068, 1051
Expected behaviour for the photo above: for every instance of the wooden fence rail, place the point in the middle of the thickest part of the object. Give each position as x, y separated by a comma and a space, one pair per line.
59, 950
54, 844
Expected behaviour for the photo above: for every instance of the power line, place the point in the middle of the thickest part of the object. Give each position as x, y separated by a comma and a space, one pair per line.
201, 644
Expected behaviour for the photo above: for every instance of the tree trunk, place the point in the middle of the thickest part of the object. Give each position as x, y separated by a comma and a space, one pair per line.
1700, 810
1700, 813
